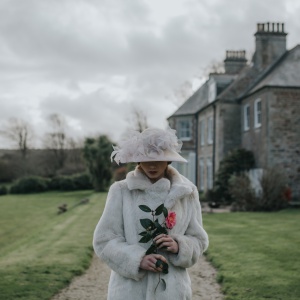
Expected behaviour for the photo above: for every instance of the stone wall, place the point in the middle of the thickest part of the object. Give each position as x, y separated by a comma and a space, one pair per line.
284, 134
255, 139
276, 143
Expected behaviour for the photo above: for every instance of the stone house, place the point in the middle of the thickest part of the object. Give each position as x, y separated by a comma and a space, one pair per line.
253, 105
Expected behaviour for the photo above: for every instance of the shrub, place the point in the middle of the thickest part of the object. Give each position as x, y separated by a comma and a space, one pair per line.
273, 185
3, 190
97, 155
70, 183
66, 183
31, 184
235, 162
272, 197
243, 195
213, 198
120, 173
82, 181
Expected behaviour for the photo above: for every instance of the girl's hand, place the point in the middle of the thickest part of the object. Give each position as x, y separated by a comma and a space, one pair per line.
164, 240
149, 262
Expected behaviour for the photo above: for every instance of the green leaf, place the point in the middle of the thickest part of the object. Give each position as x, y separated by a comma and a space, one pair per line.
165, 269
159, 210
143, 233
146, 238
145, 208
156, 224
147, 224
152, 249
165, 212
156, 233
164, 284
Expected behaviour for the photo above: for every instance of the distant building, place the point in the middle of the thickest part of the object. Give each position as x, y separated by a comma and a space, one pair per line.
254, 106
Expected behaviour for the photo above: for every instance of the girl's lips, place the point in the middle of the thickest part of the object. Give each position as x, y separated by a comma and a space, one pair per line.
152, 172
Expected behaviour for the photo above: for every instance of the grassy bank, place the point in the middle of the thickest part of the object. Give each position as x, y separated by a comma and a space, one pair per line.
257, 254
40, 250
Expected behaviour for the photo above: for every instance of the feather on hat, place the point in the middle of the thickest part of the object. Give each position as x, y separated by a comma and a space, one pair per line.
150, 145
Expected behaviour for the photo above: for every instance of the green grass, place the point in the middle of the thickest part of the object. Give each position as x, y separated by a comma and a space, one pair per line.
40, 251
257, 254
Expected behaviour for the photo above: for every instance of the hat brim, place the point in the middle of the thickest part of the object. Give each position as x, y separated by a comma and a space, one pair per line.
167, 155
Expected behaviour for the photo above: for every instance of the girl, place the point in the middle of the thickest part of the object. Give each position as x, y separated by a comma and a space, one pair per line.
149, 259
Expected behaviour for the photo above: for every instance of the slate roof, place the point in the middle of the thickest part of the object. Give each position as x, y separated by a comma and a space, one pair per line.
284, 72
198, 100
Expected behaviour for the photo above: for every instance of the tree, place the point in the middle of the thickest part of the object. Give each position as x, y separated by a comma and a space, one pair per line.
20, 133
97, 155
56, 140
139, 120
215, 67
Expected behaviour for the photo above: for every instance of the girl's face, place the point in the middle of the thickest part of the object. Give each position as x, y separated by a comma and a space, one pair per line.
154, 170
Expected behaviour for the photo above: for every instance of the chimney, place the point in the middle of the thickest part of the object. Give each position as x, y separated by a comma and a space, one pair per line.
270, 43
234, 61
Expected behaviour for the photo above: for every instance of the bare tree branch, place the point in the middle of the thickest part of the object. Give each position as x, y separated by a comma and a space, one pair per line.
20, 133
56, 140
139, 120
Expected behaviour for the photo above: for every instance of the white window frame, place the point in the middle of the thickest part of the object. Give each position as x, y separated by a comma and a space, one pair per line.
210, 129
202, 132
182, 132
201, 173
257, 113
246, 117
209, 174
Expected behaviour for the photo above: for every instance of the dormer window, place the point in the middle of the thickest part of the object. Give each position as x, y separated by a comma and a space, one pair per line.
257, 113
212, 90
184, 129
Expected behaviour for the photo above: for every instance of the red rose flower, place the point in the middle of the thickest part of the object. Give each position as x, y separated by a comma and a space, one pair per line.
171, 220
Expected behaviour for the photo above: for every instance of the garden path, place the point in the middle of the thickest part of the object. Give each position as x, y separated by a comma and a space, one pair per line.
93, 284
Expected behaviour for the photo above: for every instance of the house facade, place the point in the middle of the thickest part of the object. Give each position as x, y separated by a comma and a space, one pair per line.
253, 105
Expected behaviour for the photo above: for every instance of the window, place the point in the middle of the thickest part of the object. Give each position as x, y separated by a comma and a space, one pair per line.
210, 130
185, 130
209, 174
201, 173
202, 132
247, 117
257, 113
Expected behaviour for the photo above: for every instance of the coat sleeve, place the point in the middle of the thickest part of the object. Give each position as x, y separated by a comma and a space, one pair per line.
109, 242
195, 240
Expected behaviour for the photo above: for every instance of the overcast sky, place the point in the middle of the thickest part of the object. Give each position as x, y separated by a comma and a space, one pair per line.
96, 61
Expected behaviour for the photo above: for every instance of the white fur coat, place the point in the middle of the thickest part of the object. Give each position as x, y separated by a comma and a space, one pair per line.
116, 236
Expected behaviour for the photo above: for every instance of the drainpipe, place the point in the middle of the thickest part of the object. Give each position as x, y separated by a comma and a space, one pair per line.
196, 141
214, 142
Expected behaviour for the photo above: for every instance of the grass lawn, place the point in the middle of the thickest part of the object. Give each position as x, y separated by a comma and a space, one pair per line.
257, 254
40, 251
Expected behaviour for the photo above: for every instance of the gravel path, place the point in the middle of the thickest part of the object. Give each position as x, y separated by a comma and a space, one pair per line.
93, 284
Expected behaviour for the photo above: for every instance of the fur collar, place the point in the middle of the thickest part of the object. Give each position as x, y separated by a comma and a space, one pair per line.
178, 186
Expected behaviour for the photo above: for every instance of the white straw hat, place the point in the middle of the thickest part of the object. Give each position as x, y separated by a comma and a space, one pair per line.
150, 145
